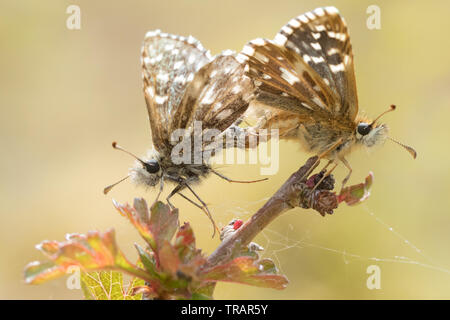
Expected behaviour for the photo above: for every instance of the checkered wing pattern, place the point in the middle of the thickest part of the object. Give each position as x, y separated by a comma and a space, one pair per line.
308, 67
169, 64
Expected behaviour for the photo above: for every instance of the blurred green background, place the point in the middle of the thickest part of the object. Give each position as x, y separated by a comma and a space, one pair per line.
66, 95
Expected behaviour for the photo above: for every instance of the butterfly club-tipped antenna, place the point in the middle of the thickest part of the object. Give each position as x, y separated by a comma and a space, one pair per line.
391, 108
411, 150
145, 164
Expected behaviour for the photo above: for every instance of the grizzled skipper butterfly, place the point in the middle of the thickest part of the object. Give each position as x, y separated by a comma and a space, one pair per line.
184, 85
305, 80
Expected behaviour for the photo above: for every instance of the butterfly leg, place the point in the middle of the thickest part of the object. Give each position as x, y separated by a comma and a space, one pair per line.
347, 165
320, 156
236, 181
177, 189
327, 173
204, 208
161, 187
190, 200
198, 206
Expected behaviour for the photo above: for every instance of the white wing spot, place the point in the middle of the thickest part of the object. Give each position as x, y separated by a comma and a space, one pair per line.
152, 33
306, 106
287, 29
318, 59
177, 65
163, 77
310, 15
227, 52
169, 47
224, 114
335, 68
150, 91
236, 89
241, 58
258, 42
288, 76
319, 102
146, 60
331, 10
332, 51
161, 99
320, 12
179, 79
303, 18
191, 59
191, 40
280, 39
294, 23
261, 57
248, 50
320, 28
346, 59
209, 96
316, 46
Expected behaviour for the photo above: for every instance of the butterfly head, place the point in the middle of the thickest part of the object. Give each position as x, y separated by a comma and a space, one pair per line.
372, 133
147, 171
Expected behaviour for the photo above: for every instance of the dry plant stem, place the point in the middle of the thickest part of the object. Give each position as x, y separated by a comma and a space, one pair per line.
293, 193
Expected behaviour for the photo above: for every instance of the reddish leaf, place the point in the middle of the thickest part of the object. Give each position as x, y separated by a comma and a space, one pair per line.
163, 223
139, 218
94, 251
168, 258
357, 193
246, 270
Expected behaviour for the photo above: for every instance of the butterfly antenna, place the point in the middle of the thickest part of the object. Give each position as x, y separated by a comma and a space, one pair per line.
408, 148
116, 146
108, 188
392, 108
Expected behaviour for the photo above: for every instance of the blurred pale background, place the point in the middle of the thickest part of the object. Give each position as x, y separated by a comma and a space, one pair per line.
66, 95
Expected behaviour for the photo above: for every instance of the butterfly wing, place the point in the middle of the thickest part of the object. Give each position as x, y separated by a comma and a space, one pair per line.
308, 68
169, 63
219, 93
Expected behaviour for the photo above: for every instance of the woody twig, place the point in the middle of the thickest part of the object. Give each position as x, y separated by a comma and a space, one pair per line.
297, 191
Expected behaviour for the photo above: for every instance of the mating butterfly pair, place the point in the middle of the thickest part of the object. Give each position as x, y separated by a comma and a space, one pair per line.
304, 78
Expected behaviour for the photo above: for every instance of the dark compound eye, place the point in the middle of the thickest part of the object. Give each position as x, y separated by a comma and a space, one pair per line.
364, 128
152, 166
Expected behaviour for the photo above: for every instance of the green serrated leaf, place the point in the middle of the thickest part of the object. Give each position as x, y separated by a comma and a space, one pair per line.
103, 285
148, 262
134, 283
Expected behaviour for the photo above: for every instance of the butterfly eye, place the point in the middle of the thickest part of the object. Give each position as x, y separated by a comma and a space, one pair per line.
151, 166
364, 128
